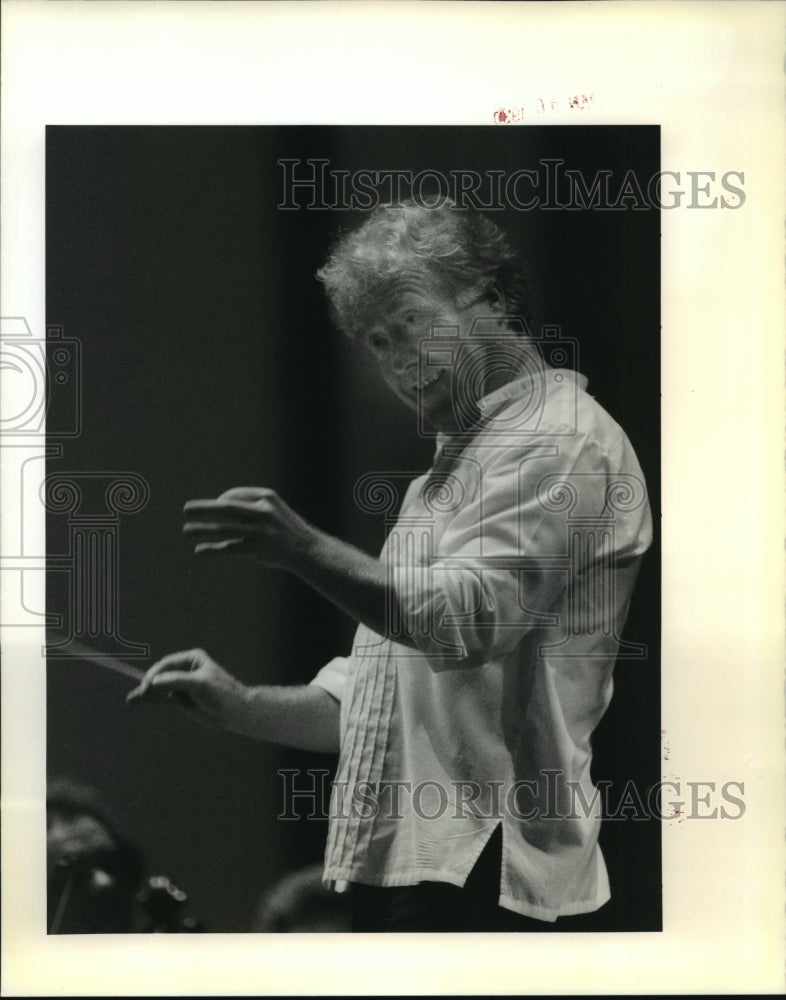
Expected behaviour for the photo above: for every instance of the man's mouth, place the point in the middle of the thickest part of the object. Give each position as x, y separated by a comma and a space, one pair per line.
428, 381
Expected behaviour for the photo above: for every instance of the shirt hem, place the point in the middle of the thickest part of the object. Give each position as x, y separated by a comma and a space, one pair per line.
340, 882
547, 914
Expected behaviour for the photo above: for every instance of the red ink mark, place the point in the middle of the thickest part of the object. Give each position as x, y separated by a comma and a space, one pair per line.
580, 101
542, 106
508, 116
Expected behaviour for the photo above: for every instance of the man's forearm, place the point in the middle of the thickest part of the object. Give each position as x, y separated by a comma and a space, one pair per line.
306, 718
255, 520
356, 582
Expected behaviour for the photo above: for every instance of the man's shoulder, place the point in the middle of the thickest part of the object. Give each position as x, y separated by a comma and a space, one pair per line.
554, 403
559, 418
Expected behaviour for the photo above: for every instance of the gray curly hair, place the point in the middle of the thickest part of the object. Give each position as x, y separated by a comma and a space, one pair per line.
463, 250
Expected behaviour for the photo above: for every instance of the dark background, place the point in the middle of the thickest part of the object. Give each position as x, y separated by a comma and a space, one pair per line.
209, 362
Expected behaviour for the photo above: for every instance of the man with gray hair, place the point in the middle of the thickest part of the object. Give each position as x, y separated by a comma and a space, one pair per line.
489, 625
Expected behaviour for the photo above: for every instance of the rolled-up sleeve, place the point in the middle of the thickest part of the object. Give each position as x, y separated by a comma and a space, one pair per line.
504, 558
333, 677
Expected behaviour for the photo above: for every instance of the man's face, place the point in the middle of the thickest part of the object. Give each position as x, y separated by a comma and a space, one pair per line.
401, 321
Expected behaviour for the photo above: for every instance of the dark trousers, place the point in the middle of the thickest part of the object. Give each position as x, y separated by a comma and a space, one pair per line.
437, 906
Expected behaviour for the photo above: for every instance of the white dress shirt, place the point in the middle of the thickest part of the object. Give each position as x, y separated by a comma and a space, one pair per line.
512, 574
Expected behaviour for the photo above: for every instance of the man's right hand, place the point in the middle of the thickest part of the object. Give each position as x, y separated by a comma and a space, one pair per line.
304, 716
198, 683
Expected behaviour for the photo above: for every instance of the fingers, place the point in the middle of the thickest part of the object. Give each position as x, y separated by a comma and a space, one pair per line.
161, 673
212, 530
190, 679
229, 511
227, 545
225, 525
249, 493
218, 532
173, 687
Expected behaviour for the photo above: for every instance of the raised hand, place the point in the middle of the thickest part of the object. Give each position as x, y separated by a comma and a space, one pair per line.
249, 520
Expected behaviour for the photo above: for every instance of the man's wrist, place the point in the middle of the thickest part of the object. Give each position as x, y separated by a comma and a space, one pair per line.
241, 711
304, 554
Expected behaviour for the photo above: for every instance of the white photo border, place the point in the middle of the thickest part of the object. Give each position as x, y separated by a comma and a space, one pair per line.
711, 76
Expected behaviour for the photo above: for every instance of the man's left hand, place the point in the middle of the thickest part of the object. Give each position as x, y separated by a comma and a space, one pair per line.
249, 520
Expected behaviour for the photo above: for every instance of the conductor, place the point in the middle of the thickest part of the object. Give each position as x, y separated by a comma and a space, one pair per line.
489, 625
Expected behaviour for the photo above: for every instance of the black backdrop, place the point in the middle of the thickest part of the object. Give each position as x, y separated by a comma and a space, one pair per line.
209, 362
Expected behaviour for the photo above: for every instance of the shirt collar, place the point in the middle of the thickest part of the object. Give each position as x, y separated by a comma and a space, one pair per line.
495, 400
512, 390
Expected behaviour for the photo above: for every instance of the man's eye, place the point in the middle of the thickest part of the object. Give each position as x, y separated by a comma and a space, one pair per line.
377, 343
